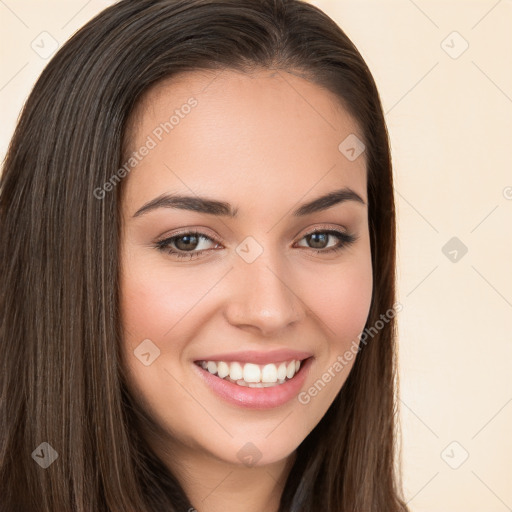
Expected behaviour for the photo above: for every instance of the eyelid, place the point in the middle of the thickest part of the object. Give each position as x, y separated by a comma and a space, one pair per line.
324, 227
186, 231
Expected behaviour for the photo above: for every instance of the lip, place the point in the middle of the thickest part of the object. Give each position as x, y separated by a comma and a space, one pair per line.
256, 398
253, 356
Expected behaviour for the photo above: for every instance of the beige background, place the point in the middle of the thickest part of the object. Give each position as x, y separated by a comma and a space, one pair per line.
450, 121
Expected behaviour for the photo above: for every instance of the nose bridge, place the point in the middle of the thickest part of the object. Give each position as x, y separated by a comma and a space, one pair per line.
262, 296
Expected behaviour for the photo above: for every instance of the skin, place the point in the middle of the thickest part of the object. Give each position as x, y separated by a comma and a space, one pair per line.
265, 142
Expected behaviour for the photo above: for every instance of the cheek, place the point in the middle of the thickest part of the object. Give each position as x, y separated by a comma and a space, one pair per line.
341, 299
154, 300
345, 306
157, 305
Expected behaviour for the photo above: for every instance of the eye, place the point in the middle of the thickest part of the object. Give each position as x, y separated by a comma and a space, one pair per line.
191, 245
185, 245
320, 238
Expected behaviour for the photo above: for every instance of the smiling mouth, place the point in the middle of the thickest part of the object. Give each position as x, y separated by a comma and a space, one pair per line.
253, 375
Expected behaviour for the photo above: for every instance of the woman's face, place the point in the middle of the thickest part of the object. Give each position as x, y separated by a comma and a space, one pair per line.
254, 290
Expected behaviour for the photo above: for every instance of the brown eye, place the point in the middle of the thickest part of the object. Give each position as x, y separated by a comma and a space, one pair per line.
318, 240
186, 245
186, 242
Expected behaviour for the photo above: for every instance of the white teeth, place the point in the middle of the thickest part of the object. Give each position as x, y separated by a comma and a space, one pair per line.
222, 369
269, 373
235, 371
281, 371
290, 372
253, 375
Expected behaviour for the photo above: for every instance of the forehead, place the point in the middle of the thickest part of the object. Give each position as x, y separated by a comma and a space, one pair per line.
257, 136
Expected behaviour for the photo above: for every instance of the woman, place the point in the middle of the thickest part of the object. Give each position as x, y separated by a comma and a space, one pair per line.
198, 268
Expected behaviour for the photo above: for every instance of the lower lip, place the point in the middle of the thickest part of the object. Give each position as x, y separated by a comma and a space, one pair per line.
257, 398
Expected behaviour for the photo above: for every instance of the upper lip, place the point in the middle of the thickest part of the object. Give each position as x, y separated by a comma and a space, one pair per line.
253, 356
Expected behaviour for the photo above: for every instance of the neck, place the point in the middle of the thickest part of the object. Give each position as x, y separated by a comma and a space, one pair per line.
214, 485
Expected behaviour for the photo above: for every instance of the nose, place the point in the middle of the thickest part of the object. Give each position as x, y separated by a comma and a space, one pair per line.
262, 297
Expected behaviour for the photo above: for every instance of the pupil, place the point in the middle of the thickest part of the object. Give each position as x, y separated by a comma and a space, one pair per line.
188, 244
315, 236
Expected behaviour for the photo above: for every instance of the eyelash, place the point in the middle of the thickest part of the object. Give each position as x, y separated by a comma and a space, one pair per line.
163, 245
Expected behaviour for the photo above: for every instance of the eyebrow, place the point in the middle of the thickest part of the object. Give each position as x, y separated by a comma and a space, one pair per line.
221, 208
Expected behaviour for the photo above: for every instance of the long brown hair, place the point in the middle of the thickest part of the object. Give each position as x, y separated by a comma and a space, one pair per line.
61, 380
